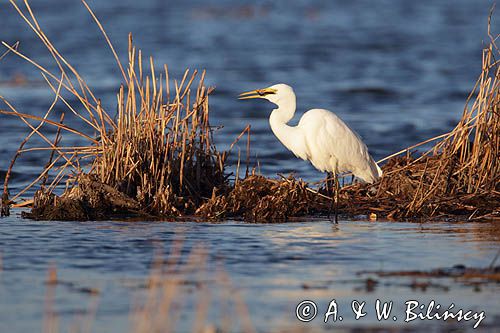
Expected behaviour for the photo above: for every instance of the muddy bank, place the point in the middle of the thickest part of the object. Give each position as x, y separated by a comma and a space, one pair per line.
260, 199
89, 200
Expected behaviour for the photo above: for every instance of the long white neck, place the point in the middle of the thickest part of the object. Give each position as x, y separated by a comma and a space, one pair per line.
290, 136
285, 111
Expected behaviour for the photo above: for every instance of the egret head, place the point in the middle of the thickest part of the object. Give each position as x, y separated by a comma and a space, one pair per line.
274, 94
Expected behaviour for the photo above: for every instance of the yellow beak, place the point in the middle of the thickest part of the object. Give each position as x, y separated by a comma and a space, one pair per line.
259, 93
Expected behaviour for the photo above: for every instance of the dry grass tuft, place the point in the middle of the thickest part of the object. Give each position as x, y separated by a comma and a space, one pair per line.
160, 150
156, 153
459, 176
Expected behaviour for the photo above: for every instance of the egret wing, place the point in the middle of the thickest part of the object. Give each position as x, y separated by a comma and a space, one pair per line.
333, 145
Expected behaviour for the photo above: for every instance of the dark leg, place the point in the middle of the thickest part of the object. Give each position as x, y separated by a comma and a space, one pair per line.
332, 190
337, 189
329, 192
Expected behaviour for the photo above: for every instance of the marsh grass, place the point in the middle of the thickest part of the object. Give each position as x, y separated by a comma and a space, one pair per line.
459, 176
155, 150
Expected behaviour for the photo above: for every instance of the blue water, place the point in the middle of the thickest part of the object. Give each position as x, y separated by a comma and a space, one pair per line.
273, 267
397, 71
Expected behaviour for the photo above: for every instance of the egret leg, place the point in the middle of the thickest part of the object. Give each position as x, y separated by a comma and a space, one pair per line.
332, 191
337, 189
329, 192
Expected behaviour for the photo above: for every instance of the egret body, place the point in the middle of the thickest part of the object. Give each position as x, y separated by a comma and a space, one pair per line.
320, 136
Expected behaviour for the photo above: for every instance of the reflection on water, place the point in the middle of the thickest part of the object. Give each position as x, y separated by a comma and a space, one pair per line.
274, 266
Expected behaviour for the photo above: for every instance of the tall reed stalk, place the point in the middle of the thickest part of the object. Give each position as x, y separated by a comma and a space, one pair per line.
466, 162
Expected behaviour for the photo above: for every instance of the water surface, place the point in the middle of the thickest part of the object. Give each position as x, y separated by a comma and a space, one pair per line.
273, 266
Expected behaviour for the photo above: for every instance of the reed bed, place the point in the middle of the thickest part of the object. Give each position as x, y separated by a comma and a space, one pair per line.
154, 156
459, 177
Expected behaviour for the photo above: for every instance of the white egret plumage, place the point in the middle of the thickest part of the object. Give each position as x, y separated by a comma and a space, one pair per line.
320, 137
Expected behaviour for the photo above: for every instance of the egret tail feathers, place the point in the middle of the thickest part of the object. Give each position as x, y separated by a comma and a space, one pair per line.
370, 174
379, 171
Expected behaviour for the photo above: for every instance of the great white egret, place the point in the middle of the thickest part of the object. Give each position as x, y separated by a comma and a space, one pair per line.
320, 137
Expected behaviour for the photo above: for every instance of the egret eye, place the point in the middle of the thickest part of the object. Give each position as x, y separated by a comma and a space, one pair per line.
260, 92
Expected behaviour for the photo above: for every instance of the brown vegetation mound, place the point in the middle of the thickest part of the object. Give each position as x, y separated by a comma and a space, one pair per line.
260, 199
89, 200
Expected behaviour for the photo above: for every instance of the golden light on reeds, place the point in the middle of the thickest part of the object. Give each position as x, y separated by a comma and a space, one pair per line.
459, 176
158, 150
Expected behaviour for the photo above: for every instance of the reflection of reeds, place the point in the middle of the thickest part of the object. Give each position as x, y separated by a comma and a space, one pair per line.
166, 298
158, 149
162, 308
50, 318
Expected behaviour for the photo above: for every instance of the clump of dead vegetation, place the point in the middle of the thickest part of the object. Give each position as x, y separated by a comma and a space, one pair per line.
260, 199
458, 177
153, 156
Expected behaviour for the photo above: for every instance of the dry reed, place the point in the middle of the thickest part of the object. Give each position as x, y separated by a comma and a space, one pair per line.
459, 177
154, 157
